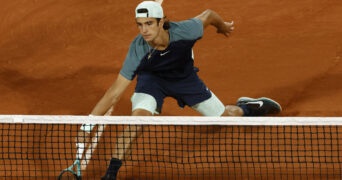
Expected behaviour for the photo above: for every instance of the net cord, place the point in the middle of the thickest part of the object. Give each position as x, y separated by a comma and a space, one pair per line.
169, 120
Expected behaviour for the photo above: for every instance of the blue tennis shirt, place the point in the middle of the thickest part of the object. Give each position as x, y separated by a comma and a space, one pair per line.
173, 63
171, 72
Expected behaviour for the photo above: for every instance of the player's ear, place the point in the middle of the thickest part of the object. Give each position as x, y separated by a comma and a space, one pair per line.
161, 22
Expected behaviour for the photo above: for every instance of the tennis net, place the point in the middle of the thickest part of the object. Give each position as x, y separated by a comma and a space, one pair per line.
173, 147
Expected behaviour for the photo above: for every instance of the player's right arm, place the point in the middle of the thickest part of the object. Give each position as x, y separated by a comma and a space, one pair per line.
104, 106
112, 96
108, 101
125, 77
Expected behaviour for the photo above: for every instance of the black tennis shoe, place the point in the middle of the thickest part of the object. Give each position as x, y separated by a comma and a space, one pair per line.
113, 169
258, 107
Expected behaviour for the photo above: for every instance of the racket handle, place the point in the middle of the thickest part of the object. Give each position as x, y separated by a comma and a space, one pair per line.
87, 127
80, 150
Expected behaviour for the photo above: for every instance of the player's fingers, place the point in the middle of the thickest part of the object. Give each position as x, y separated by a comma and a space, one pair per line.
109, 111
226, 34
230, 25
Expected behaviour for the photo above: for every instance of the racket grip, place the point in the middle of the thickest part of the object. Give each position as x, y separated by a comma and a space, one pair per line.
80, 150
87, 127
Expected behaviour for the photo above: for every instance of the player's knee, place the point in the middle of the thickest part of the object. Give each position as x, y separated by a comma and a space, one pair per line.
141, 112
143, 104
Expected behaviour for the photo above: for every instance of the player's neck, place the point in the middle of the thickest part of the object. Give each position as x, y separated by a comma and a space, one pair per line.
162, 41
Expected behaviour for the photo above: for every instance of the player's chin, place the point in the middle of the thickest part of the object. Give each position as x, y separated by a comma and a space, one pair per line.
147, 38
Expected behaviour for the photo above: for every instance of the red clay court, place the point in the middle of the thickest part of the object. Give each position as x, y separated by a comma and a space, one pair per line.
59, 57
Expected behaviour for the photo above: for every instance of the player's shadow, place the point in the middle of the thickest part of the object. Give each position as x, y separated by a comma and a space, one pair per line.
62, 93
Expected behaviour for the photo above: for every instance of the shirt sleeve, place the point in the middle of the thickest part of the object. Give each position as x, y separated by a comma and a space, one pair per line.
191, 29
133, 58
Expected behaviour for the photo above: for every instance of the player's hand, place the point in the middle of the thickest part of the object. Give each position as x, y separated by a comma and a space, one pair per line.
82, 137
226, 29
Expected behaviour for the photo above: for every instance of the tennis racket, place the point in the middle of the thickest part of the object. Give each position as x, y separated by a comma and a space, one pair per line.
82, 160
92, 146
74, 171
80, 164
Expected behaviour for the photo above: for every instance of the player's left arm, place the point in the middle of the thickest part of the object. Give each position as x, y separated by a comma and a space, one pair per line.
210, 17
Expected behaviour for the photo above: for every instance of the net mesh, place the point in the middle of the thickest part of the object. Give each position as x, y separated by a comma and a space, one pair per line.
40, 147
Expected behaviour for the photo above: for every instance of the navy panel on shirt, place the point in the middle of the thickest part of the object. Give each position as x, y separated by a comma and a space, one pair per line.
173, 63
183, 35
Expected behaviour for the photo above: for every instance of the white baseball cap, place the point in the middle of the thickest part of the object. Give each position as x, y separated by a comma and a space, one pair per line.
149, 9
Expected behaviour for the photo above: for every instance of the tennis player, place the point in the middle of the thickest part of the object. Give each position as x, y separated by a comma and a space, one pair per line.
161, 58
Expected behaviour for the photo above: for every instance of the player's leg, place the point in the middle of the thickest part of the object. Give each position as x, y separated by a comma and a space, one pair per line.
193, 92
214, 107
205, 102
245, 106
122, 149
142, 105
258, 106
